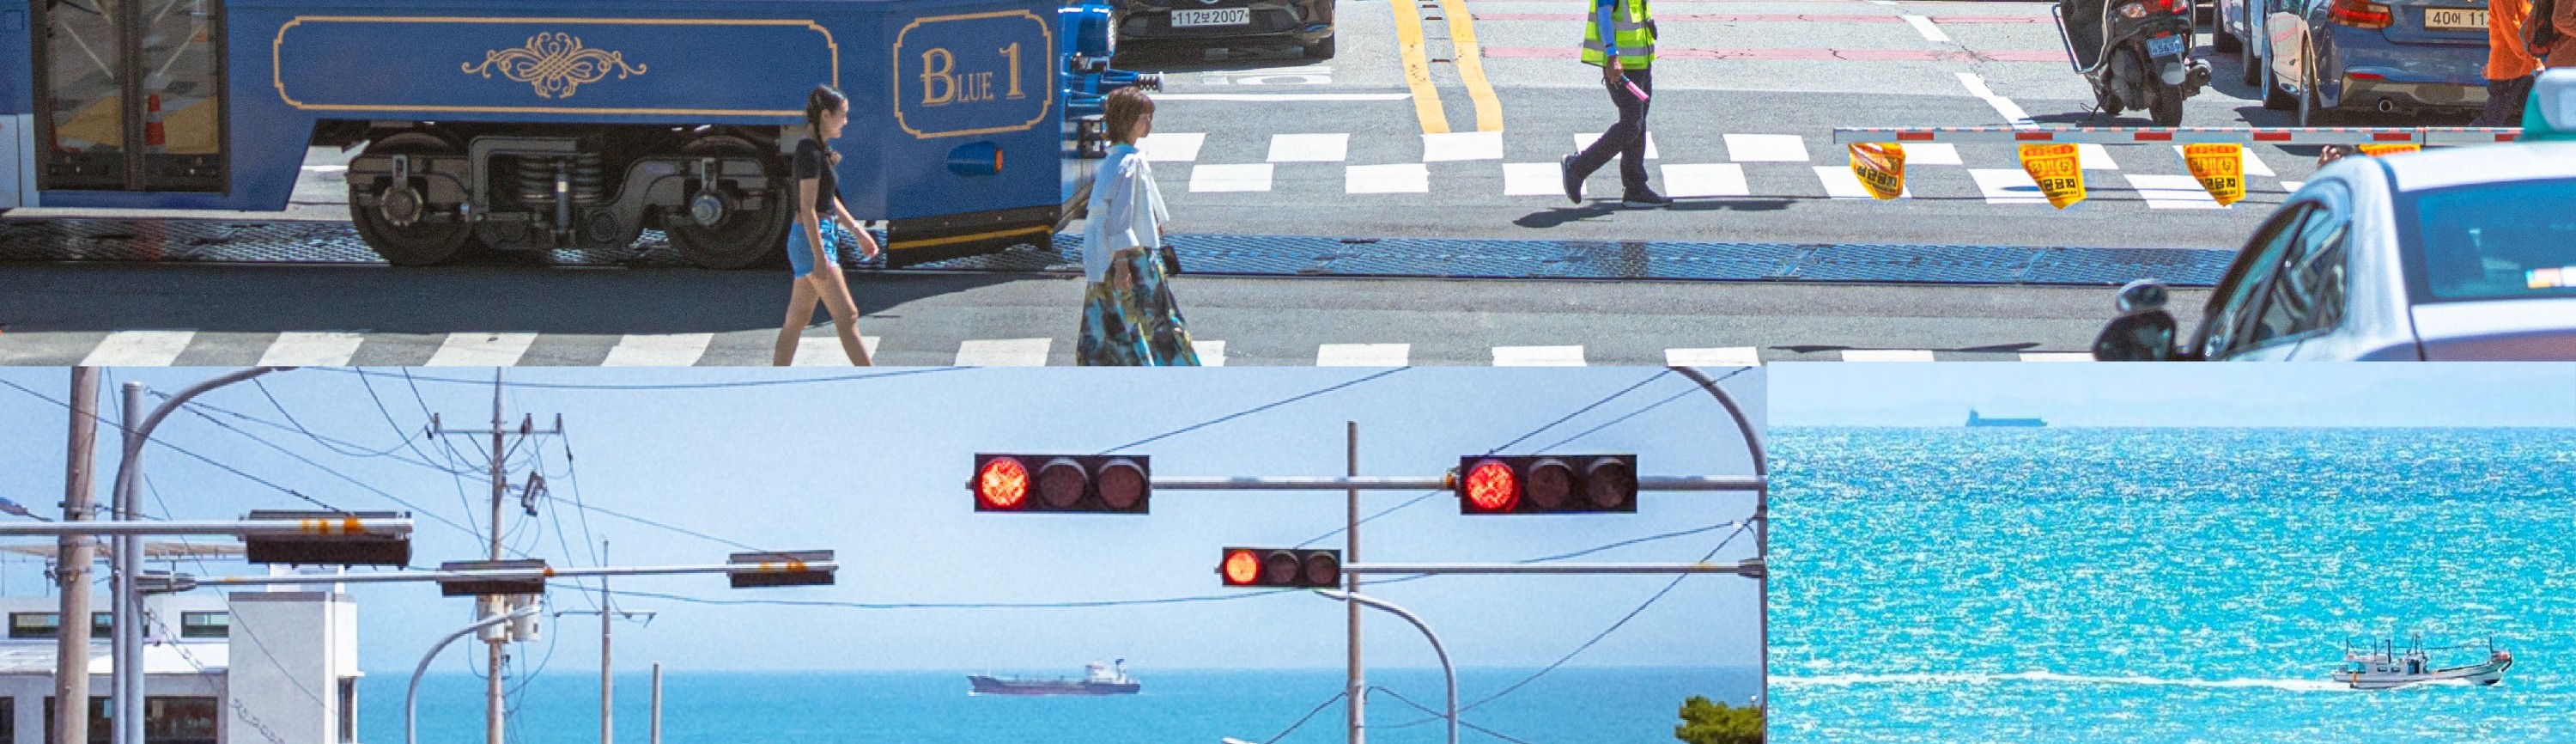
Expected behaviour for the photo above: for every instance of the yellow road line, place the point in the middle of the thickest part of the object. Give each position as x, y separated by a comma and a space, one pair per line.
1471, 65
1417, 68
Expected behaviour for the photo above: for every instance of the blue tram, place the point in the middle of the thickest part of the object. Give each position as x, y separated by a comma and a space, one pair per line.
548, 124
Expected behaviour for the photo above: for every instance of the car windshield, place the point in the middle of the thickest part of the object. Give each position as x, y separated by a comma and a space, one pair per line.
2493, 241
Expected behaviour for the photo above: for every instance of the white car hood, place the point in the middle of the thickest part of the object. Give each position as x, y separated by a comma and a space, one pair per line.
2502, 330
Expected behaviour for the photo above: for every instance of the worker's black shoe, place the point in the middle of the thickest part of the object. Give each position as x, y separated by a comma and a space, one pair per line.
1573, 183
1645, 199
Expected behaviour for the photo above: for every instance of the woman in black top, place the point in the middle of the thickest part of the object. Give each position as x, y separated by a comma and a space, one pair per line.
811, 244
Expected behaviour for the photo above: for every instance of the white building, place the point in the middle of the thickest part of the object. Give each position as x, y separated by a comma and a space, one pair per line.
246, 668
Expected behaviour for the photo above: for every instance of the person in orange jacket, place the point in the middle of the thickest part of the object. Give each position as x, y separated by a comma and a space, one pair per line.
2564, 55
2510, 66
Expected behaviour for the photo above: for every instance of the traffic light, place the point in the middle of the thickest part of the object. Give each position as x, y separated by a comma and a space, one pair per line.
1546, 484
1113, 484
783, 568
483, 585
327, 538
1281, 567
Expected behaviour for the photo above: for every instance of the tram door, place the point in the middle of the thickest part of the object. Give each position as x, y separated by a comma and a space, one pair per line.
129, 95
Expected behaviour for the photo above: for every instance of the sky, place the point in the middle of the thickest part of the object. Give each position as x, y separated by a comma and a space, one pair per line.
876, 468
2140, 395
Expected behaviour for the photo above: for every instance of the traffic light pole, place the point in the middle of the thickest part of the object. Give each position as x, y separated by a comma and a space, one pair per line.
411, 695
1448, 672
517, 574
1761, 509
126, 630
1737, 483
242, 528
1357, 683
1749, 568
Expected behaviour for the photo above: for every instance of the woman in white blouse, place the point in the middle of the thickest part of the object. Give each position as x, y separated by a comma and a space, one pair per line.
1128, 315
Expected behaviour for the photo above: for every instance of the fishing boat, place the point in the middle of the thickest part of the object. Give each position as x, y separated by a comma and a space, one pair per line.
2383, 666
1097, 679
1976, 421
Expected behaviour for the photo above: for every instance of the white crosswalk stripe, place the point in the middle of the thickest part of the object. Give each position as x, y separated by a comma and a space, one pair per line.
2093, 156
1704, 179
2171, 192
2253, 165
1211, 177
1310, 148
1840, 183
1533, 179
481, 350
658, 350
1010, 352
312, 349
1393, 178
1729, 356
1211, 353
2003, 186
1887, 355
1932, 153
1455, 146
1538, 356
825, 351
1363, 355
1766, 148
2056, 356
1175, 147
155, 348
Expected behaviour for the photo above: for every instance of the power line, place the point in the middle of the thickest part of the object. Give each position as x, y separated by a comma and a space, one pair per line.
193, 408
1462, 723
1310, 715
1684, 393
1253, 410
120, 427
960, 605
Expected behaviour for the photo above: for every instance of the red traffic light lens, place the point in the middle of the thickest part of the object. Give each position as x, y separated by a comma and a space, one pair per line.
1551, 485
1122, 484
1323, 569
1003, 483
1610, 483
1492, 487
1241, 568
1061, 482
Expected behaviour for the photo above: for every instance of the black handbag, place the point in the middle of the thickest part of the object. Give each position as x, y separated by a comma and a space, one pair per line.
1171, 260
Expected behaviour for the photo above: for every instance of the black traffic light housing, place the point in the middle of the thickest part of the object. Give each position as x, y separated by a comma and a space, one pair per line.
329, 540
1546, 484
480, 586
1100, 484
783, 568
1288, 568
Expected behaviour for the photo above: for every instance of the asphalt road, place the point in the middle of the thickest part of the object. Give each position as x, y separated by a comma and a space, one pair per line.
61, 314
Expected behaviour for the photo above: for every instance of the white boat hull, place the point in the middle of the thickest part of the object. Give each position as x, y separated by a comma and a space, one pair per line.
2487, 673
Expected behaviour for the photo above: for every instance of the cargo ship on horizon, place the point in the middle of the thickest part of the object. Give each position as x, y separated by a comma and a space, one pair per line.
1976, 421
1097, 679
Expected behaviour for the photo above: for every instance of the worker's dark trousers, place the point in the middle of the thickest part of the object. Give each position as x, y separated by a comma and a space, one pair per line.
1627, 139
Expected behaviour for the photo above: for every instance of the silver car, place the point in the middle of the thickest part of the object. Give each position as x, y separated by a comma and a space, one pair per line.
2464, 253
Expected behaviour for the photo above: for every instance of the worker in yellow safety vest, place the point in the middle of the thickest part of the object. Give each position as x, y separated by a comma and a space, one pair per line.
1619, 36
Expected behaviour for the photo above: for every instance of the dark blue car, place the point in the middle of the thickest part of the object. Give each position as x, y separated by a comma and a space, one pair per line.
2328, 57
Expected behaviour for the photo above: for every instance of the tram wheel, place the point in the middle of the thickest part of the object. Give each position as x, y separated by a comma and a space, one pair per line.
743, 238
420, 242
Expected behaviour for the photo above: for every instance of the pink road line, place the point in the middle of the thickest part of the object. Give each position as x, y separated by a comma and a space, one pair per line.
1848, 55
1765, 18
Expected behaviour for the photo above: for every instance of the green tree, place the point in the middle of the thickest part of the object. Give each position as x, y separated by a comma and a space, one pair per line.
1705, 722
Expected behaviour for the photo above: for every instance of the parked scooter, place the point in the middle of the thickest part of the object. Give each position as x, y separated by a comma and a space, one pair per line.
2137, 53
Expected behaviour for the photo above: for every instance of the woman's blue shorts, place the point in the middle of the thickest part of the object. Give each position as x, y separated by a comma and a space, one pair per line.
800, 254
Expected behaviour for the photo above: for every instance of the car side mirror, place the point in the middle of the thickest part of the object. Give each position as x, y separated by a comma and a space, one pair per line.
2144, 332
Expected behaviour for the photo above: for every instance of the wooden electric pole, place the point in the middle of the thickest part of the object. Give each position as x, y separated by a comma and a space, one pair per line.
71, 568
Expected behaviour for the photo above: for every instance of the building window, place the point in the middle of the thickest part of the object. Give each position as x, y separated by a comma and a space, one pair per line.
166, 720
8, 720
205, 624
34, 624
348, 711
102, 624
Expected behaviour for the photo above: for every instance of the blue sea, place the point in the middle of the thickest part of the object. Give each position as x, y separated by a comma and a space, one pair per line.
561, 706
2168, 585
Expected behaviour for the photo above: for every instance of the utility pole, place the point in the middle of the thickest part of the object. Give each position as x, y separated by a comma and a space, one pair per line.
72, 564
497, 638
1356, 686
607, 683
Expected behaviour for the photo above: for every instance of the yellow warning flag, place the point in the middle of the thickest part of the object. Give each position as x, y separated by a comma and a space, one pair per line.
1881, 168
2059, 173
2220, 168
2384, 150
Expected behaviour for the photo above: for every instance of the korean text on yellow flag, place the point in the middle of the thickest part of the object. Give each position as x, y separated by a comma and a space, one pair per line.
1880, 167
2384, 150
2057, 170
2220, 168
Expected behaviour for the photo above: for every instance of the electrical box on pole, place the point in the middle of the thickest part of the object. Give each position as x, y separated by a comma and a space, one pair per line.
327, 539
1546, 484
1100, 484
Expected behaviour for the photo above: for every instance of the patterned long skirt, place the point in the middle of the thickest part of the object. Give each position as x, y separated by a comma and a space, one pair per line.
1136, 327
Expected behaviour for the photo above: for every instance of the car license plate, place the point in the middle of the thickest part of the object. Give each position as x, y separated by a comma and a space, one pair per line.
2169, 46
1212, 17
2454, 19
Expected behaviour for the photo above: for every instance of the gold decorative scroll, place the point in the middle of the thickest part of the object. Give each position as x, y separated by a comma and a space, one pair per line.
555, 64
